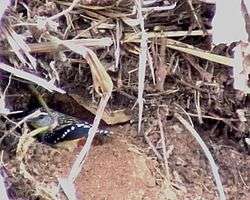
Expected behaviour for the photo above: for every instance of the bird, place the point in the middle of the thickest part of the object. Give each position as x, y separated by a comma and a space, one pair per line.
62, 128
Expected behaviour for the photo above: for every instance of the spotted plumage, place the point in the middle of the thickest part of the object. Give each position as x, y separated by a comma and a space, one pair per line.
63, 128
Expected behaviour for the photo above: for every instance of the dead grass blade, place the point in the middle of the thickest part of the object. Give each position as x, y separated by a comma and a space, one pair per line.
48, 47
3, 191
189, 49
3, 7
68, 188
209, 1
19, 47
142, 61
117, 43
207, 153
80, 160
158, 8
132, 37
101, 79
3, 109
30, 77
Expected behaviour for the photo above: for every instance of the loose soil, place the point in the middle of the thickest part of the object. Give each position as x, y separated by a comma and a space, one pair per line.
125, 168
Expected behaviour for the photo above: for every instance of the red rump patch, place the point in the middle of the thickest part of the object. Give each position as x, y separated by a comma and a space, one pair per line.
97, 141
81, 142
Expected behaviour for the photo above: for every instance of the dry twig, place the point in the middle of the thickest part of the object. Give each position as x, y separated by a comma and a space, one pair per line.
164, 148
151, 145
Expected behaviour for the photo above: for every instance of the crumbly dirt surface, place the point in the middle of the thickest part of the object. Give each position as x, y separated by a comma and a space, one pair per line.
120, 172
125, 168
192, 172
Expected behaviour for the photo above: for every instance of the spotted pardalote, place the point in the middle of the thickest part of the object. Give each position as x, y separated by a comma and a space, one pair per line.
62, 127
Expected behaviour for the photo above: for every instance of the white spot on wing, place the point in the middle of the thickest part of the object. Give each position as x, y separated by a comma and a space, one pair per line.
79, 125
85, 125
